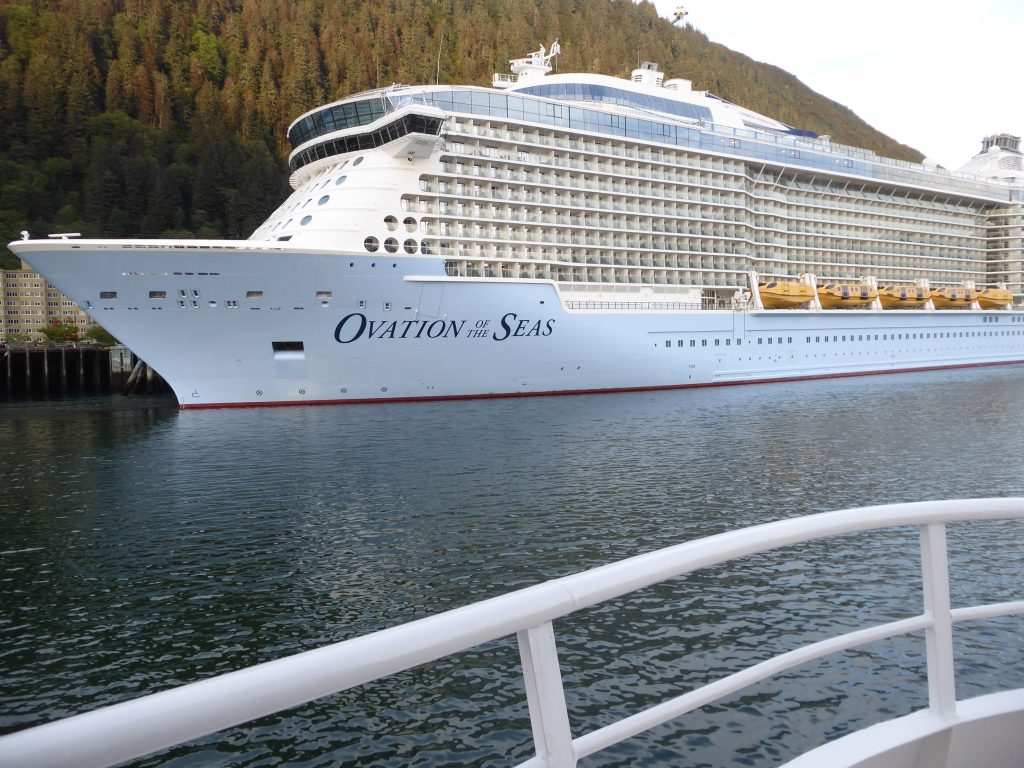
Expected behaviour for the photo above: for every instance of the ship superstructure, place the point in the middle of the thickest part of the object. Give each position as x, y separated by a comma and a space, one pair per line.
546, 209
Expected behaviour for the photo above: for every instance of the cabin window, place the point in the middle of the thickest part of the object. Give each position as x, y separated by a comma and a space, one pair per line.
693, 342
371, 244
305, 220
158, 294
323, 200
679, 343
324, 295
391, 245
410, 224
410, 246
728, 342
703, 342
668, 342
391, 223
341, 180
254, 294
108, 294
717, 342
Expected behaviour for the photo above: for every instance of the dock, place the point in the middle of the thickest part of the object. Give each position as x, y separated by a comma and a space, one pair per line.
39, 373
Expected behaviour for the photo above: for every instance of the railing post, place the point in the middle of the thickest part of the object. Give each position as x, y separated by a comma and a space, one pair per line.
549, 717
939, 635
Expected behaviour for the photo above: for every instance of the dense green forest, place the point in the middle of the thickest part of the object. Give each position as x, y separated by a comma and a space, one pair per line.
151, 118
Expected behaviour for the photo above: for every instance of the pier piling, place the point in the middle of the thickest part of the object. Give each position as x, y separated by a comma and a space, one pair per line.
41, 373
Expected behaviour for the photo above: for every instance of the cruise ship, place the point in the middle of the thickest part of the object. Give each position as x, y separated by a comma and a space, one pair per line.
568, 233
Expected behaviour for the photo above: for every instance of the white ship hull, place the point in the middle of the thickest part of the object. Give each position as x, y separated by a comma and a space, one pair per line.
343, 328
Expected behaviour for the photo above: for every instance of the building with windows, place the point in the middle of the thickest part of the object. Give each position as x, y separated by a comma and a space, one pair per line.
29, 303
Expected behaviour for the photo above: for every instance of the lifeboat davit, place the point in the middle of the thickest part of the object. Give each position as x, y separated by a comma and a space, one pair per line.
784, 294
836, 295
995, 298
903, 296
954, 298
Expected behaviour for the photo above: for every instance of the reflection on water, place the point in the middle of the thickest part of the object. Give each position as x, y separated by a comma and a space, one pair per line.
145, 547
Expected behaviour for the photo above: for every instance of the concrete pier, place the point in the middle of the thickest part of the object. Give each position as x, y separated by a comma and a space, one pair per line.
52, 372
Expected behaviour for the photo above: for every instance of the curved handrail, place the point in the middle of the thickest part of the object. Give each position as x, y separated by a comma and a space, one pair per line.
178, 715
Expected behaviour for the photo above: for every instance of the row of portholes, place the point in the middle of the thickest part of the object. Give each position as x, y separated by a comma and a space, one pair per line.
391, 222
390, 245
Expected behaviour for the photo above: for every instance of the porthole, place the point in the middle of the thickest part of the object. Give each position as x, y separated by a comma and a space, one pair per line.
305, 220
410, 224
391, 222
391, 245
410, 246
340, 181
371, 244
357, 161
323, 199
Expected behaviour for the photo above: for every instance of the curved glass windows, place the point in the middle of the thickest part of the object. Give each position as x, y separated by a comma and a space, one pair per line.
391, 245
337, 118
410, 224
305, 220
607, 95
323, 200
341, 181
371, 244
391, 223
357, 142
410, 246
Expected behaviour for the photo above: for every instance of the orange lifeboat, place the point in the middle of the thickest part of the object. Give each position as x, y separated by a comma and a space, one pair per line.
784, 294
903, 296
995, 298
837, 295
954, 297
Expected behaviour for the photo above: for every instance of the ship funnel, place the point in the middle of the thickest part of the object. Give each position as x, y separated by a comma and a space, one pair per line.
648, 75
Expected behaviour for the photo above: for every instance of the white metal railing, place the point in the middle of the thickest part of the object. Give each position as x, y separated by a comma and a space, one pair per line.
134, 728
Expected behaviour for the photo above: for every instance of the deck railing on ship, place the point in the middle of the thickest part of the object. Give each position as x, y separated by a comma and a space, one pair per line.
103, 737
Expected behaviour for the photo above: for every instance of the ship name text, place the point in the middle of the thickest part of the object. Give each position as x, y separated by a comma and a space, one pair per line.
356, 325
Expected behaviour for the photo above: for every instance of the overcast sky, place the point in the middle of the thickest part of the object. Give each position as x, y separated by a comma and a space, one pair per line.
936, 75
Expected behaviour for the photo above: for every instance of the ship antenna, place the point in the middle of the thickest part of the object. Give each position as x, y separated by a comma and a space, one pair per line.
440, 45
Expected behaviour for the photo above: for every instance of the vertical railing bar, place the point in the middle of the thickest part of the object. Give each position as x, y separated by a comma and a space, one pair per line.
549, 716
939, 634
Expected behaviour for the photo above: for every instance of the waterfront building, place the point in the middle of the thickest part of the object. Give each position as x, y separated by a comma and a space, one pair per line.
29, 303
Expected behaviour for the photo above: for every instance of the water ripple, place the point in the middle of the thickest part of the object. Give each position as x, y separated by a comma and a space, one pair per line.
146, 547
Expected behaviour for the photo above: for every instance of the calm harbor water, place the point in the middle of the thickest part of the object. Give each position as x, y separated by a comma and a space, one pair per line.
143, 547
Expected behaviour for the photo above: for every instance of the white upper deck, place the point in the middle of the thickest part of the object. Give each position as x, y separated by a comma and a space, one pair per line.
532, 74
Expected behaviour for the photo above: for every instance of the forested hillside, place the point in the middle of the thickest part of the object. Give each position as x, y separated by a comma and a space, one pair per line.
161, 117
